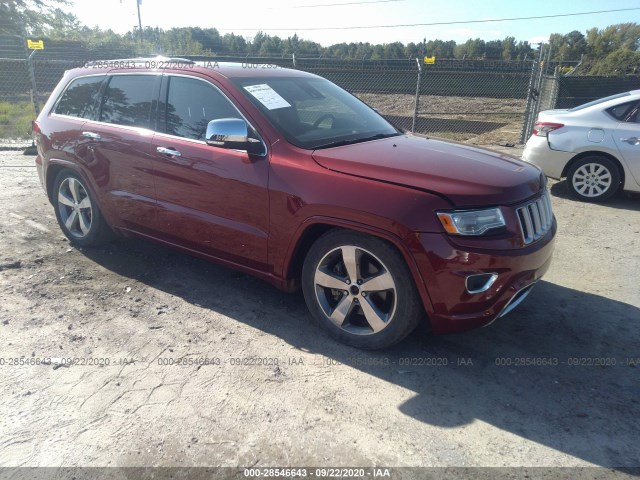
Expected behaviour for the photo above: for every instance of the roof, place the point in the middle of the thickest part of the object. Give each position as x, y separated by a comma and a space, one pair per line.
226, 69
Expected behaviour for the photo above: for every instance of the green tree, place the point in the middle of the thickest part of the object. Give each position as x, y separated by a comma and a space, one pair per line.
523, 50
393, 50
574, 47
35, 17
472, 48
493, 49
619, 62
508, 48
235, 44
601, 43
412, 50
567, 47
440, 48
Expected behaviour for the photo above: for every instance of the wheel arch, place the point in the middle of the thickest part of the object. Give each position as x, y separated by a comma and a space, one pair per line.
596, 153
53, 170
54, 167
312, 229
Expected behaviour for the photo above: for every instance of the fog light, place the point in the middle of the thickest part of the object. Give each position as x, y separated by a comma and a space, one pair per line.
480, 283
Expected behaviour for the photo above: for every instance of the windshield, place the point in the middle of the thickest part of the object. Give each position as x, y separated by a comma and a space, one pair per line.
314, 113
600, 100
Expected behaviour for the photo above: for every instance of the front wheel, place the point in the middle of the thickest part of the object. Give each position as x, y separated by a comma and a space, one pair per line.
360, 290
593, 179
76, 211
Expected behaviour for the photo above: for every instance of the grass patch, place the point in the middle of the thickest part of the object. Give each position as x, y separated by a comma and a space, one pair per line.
15, 119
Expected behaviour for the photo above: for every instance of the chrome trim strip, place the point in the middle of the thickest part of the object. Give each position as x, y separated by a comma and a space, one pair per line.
535, 218
511, 304
493, 277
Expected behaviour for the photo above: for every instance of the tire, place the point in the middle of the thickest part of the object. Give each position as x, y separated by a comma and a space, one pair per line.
335, 275
77, 212
593, 179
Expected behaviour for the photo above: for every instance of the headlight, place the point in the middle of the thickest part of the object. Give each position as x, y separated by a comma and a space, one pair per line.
471, 222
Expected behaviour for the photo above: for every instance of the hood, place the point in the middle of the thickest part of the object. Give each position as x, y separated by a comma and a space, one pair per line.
468, 176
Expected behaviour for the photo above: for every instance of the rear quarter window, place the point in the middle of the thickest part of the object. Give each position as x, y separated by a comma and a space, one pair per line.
79, 98
622, 111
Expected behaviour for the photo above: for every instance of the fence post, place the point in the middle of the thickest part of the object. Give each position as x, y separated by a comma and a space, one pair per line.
417, 103
537, 99
34, 91
32, 75
556, 88
528, 122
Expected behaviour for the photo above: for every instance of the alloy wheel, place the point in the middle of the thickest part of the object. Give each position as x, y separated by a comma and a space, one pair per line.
355, 290
74, 205
592, 180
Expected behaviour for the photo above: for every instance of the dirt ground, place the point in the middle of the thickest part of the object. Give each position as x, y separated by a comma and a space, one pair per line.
452, 107
474, 120
555, 383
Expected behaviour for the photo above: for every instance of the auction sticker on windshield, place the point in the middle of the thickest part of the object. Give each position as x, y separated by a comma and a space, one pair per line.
267, 96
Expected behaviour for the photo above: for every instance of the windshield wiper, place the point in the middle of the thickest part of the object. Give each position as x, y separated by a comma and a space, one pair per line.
341, 143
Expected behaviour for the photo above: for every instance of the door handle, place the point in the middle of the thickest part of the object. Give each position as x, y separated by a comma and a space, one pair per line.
631, 140
91, 135
168, 151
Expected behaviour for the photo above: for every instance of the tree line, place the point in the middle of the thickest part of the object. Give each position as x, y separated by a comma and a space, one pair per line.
612, 50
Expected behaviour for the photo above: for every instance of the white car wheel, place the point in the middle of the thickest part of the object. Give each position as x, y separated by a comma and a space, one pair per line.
594, 179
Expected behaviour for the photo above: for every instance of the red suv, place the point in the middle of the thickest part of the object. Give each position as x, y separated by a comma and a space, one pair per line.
283, 175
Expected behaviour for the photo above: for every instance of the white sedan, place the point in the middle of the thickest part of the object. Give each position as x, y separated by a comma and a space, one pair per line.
596, 146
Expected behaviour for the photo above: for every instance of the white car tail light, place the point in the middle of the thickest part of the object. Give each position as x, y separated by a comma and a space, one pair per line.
542, 129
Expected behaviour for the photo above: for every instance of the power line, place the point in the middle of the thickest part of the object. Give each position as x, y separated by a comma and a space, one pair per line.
462, 22
343, 4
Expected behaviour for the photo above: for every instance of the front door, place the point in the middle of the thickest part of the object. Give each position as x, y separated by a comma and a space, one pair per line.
209, 199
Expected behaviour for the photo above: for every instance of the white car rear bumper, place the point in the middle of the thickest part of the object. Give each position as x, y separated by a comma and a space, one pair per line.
552, 162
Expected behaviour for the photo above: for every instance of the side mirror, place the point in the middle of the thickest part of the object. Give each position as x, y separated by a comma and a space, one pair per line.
232, 133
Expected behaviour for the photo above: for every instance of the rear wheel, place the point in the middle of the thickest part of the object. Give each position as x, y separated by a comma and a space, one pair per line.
360, 290
76, 211
593, 179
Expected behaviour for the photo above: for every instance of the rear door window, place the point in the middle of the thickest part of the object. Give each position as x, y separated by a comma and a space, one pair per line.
128, 100
79, 98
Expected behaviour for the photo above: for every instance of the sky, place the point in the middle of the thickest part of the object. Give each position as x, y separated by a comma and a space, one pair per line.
286, 17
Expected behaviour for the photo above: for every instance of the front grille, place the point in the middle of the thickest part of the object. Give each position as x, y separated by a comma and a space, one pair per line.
535, 218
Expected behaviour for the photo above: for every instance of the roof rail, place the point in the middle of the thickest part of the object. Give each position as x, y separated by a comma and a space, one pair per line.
143, 60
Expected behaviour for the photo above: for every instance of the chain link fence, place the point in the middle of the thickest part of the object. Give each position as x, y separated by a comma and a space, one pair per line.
556, 86
483, 102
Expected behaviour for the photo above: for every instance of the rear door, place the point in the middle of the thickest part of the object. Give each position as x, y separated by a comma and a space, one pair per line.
61, 132
118, 149
210, 199
627, 138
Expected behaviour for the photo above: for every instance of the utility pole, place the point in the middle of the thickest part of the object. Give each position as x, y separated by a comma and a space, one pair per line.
138, 2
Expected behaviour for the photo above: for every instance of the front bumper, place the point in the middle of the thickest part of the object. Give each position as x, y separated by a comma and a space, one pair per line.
444, 268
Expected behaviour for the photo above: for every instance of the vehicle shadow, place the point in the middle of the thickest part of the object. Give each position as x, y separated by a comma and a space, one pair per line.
621, 200
556, 371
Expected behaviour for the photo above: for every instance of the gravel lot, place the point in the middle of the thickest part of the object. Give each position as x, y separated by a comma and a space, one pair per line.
553, 384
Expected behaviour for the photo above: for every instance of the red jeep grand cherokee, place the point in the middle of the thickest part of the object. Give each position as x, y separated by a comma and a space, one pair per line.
283, 175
